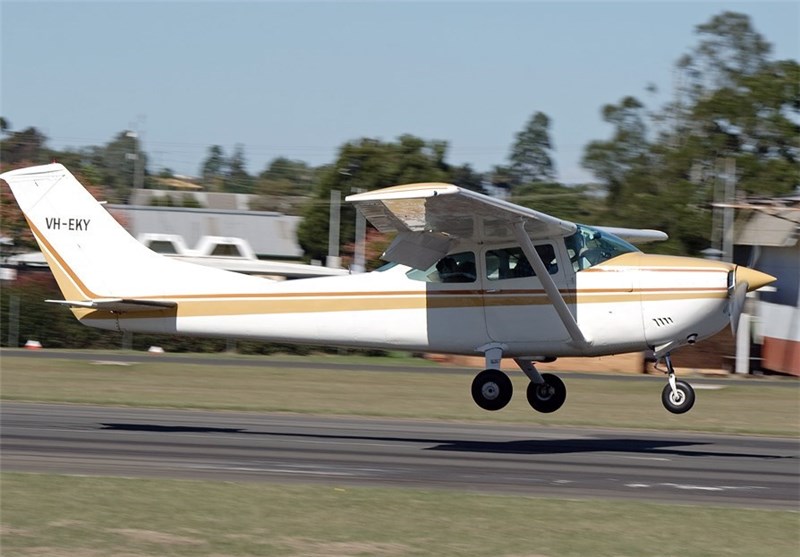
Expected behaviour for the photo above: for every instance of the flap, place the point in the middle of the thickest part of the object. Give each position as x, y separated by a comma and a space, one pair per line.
417, 249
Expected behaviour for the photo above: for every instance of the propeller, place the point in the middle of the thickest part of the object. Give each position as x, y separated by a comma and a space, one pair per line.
736, 304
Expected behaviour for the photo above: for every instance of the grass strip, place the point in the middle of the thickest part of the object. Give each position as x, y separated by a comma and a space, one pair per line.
67, 516
745, 408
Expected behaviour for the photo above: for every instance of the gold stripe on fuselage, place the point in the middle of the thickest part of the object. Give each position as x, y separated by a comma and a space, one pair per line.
383, 301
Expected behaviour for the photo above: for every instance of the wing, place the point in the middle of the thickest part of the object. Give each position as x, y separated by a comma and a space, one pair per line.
429, 217
635, 235
453, 211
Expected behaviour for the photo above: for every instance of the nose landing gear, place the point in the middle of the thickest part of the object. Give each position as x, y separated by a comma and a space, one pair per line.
677, 396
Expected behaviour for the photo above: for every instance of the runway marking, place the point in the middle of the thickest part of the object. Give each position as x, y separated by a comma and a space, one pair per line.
268, 470
691, 487
656, 458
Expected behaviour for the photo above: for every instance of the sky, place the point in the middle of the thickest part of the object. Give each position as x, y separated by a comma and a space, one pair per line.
299, 79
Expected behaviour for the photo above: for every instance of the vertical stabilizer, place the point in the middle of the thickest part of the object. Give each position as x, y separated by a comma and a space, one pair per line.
91, 255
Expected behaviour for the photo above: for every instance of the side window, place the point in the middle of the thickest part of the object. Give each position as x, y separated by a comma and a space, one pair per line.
456, 267
510, 263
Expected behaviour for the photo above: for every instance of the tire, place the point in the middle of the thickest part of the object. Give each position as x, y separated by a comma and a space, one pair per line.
547, 397
683, 402
492, 389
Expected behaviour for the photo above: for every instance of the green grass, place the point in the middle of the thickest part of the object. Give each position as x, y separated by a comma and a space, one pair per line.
738, 408
91, 517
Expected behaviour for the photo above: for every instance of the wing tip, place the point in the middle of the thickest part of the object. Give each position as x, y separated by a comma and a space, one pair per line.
421, 189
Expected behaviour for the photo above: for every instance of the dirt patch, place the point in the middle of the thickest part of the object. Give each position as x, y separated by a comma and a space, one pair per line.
314, 548
66, 523
6, 530
151, 536
61, 552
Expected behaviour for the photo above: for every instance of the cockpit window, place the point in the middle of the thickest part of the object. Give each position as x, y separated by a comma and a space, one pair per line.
590, 246
455, 267
509, 263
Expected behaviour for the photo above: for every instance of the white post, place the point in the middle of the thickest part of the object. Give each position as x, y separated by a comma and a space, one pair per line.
359, 259
743, 344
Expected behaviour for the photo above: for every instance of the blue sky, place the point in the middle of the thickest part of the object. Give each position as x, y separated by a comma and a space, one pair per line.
299, 79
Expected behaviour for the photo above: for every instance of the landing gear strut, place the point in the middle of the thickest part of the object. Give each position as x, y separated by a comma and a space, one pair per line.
492, 389
677, 396
546, 392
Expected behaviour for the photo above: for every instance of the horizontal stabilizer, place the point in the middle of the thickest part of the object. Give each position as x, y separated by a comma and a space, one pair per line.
118, 305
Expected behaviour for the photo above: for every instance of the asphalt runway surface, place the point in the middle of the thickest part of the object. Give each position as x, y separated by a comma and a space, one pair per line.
760, 472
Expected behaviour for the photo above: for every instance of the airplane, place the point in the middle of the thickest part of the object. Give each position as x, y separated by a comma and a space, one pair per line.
465, 274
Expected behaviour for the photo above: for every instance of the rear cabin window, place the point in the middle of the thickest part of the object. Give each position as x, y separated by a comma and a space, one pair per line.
455, 267
510, 263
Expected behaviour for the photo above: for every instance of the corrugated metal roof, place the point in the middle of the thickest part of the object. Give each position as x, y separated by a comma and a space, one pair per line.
764, 229
207, 199
270, 234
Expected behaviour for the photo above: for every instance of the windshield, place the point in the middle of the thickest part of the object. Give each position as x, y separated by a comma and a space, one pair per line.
589, 246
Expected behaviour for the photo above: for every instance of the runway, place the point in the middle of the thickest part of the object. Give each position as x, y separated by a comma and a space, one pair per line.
557, 462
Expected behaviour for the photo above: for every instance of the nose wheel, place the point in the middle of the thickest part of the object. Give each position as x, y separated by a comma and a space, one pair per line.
677, 396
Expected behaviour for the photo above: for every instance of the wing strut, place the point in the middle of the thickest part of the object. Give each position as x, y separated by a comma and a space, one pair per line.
549, 286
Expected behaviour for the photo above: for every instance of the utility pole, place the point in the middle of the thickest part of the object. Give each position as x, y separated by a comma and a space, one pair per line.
13, 321
727, 211
333, 259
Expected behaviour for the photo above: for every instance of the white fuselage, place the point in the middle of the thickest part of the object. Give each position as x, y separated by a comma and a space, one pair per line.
628, 303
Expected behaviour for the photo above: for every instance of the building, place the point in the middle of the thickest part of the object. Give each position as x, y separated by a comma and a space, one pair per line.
767, 237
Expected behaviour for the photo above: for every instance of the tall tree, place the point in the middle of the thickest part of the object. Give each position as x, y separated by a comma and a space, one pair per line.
27, 146
732, 102
530, 155
214, 167
237, 179
364, 165
613, 161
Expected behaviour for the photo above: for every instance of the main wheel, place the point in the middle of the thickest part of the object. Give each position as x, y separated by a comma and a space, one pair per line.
492, 389
679, 402
548, 396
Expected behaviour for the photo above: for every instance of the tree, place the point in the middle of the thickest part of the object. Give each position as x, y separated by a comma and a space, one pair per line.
285, 177
26, 146
729, 49
118, 165
365, 165
613, 161
214, 168
466, 177
732, 102
530, 155
237, 179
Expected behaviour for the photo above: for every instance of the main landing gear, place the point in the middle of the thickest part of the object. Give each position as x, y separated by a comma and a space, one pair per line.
677, 396
492, 389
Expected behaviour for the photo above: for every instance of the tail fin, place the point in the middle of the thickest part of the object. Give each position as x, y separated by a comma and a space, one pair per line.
91, 255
